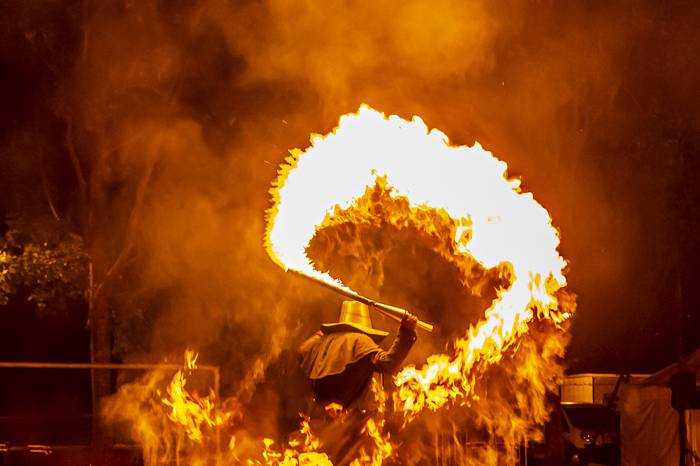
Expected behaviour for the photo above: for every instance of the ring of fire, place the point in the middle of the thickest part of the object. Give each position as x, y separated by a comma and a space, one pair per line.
495, 222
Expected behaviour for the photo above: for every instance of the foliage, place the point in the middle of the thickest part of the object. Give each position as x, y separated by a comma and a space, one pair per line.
42, 260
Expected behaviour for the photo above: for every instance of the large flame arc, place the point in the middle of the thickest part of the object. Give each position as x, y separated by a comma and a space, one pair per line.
498, 223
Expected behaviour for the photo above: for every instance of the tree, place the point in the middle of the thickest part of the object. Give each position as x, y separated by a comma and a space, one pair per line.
43, 261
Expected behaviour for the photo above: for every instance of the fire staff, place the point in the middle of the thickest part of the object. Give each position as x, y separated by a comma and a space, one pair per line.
340, 361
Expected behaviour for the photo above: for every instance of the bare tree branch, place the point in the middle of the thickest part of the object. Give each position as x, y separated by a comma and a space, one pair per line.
130, 229
45, 185
77, 167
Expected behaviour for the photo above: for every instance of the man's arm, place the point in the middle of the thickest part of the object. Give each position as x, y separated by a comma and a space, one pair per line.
390, 361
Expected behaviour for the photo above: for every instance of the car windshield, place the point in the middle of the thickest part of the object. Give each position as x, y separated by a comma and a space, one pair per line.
591, 417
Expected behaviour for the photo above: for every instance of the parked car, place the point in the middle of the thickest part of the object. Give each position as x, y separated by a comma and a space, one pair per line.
591, 434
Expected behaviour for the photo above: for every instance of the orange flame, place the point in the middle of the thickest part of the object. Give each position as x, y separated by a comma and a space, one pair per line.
373, 428
297, 452
189, 410
191, 359
495, 224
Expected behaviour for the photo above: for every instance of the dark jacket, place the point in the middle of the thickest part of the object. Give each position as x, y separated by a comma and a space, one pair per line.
340, 365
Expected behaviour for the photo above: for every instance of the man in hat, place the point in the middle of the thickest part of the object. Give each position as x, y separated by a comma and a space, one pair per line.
341, 360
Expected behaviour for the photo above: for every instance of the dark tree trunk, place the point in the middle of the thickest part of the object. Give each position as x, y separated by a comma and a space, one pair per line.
101, 353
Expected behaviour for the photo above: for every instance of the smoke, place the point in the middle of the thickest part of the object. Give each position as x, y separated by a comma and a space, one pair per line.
182, 109
198, 103
336, 47
181, 112
173, 190
207, 98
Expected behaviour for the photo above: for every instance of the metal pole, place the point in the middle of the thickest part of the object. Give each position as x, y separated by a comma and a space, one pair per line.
682, 434
217, 391
80, 365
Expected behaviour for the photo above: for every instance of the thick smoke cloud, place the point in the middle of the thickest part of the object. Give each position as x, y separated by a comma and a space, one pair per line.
337, 47
185, 109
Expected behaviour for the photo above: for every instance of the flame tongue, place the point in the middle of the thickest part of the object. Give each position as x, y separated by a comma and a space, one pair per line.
495, 223
189, 410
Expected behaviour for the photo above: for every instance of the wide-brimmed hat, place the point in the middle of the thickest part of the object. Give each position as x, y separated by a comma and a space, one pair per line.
354, 317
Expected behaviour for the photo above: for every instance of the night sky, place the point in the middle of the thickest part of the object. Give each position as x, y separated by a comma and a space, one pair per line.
595, 104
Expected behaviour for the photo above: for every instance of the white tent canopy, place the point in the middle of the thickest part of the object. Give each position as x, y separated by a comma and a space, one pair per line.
648, 422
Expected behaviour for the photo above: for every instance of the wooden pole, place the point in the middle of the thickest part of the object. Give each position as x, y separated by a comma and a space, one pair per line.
393, 312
